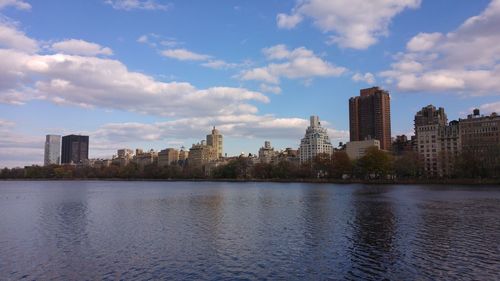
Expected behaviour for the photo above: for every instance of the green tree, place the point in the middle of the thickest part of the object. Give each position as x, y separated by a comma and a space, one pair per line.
374, 164
408, 165
341, 165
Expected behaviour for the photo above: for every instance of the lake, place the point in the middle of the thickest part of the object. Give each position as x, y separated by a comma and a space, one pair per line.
93, 230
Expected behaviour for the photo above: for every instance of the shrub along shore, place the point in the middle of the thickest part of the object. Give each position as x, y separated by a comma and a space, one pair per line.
377, 167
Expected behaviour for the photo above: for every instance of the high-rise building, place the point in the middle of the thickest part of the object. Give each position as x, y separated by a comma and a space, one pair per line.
480, 135
215, 140
75, 149
370, 116
315, 141
52, 155
438, 142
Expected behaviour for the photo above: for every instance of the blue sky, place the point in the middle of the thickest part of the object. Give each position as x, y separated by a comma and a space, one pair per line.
158, 74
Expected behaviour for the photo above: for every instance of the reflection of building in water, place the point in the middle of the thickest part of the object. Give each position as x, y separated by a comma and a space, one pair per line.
204, 217
318, 226
373, 234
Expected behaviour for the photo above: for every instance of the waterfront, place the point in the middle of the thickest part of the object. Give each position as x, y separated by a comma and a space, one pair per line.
80, 230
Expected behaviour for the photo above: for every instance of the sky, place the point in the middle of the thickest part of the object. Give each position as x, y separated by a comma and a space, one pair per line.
154, 74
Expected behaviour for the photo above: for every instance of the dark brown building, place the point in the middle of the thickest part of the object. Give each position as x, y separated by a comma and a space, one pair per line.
370, 116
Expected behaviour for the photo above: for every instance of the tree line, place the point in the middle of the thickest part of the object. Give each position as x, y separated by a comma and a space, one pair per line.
374, 165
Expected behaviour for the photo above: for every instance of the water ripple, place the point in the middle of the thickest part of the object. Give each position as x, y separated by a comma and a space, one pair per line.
238, 231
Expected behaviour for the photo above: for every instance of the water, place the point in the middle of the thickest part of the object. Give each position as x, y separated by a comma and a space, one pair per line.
230, 231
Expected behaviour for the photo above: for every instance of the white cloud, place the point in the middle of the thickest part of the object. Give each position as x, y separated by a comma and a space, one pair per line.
10, 37
288, 21
466, 61
206, 60
219, 64
270, 89
293, 64
81, 47
128, 5
367, 78
18, 150
21, 149
143, 39
237, 126
155, 40
354, 23
183, 54
4, 124
18, 4
423, 42
89, 81
491, 107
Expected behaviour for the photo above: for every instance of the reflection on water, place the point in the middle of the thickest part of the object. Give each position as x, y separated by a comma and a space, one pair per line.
155, 230
373, 232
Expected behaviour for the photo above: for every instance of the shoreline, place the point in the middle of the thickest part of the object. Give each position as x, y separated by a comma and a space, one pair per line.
316, 181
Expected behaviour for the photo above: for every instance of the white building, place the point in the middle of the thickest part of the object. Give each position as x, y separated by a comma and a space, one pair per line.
357, 149
316, 141
52, 155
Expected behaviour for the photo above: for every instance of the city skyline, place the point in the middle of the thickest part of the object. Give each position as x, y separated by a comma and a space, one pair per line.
161, 81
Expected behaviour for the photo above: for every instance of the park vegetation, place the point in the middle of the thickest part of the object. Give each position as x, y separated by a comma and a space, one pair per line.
375, 165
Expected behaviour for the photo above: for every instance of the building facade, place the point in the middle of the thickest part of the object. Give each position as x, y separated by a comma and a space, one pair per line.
215, 140
450, 147
370, 116
437, 142
316, 141
401, 145
167, 157
52, 153
123, 158
357, 149
266, 153
183, 155
143, 159
480, 135
75, 149
201, 154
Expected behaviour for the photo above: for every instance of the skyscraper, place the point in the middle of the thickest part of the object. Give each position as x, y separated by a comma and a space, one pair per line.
52, 155
75, 149
316, 141
215, 140
370, 116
